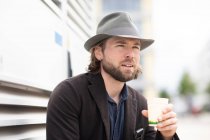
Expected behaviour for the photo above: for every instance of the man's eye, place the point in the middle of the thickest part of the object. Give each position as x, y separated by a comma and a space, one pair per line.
120, 45
136, 47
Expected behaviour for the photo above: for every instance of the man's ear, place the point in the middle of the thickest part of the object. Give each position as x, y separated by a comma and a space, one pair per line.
98, 53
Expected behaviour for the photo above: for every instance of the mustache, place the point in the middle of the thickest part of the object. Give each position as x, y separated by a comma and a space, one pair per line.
129, 60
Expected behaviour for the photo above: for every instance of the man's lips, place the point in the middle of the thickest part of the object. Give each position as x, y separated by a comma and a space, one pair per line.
127, 65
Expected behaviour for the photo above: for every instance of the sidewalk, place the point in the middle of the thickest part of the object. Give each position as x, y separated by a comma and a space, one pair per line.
194, 127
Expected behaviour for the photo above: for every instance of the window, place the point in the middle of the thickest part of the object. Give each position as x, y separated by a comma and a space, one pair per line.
128, 5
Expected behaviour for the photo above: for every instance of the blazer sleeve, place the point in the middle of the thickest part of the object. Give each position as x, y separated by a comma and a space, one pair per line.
150, 134
63, 113
159, 136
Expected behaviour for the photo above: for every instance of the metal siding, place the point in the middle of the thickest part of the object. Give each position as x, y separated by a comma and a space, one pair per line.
23, 105
22, 111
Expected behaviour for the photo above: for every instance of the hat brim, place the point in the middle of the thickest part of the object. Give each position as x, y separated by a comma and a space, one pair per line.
91, 42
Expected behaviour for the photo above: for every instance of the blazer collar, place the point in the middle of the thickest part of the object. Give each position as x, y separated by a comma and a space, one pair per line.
98, 91
130, 116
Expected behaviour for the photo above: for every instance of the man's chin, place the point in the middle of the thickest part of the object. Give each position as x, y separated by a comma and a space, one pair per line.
127, 78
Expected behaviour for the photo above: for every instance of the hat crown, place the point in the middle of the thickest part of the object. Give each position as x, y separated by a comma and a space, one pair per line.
118, 23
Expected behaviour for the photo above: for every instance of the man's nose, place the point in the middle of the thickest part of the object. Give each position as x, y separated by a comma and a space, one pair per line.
129, 53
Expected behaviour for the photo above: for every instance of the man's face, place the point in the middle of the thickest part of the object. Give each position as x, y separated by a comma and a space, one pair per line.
121, 58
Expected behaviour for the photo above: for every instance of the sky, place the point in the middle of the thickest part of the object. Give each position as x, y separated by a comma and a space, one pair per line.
181, 32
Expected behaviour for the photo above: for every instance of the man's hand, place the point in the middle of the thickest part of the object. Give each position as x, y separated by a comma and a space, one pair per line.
167, 122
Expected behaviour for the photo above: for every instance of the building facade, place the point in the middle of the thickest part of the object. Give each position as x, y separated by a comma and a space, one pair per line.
41, 43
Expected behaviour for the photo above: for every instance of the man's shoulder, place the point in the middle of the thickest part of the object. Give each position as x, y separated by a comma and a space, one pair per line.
131, 90
82, 79
77, 77
74, 83
136, 94
75, 80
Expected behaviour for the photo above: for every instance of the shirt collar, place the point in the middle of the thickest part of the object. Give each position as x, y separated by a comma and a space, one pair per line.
123, 94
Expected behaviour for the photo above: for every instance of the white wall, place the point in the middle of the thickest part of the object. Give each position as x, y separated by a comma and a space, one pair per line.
28, 49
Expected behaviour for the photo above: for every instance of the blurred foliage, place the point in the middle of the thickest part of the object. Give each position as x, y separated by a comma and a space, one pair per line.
186, 86
164, 94
208, 88
206, 107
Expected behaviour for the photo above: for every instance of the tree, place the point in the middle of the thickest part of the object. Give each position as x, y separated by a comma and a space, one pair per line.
187, 86
164, 94
207, 106
187, 89
208, 88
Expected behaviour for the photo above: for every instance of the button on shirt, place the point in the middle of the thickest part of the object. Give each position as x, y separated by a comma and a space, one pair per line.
116, 115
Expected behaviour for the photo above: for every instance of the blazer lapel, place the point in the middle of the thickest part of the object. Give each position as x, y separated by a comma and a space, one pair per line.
130, 116
98, 92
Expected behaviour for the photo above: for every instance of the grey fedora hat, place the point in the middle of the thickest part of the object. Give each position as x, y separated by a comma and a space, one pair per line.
116, 24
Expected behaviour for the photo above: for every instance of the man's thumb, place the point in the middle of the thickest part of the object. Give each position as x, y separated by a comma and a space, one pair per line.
144, 113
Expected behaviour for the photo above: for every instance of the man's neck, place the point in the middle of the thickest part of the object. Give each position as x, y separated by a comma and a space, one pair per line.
113, 87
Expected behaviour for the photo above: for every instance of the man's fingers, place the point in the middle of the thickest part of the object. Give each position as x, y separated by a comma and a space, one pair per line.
167, 116
168, 108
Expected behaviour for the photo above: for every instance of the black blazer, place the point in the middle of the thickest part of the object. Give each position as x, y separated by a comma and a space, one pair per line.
78, 110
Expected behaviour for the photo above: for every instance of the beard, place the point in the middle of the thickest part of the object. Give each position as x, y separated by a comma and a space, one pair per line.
117, 74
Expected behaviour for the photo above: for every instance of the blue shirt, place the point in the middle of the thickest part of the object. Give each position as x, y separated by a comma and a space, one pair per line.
116, 115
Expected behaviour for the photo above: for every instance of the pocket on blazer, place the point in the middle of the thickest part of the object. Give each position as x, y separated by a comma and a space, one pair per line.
139, 134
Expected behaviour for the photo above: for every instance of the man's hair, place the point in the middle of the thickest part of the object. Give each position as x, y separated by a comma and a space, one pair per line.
94, 65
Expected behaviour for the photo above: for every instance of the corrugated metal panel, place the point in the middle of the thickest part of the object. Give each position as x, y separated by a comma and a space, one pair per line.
22, 111
78, 15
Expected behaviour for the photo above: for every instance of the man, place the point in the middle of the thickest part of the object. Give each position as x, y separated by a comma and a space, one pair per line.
98, 105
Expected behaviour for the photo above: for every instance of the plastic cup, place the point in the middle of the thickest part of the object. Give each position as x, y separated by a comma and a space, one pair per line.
155, 107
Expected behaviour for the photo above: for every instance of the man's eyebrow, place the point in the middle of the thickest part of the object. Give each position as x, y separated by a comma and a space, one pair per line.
137, 43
